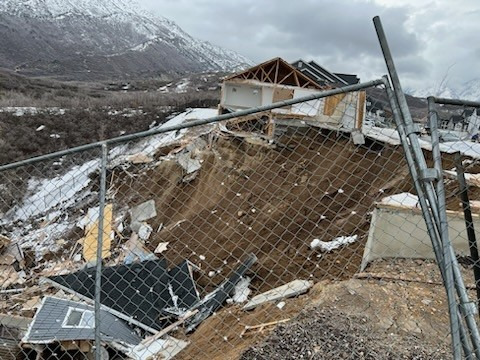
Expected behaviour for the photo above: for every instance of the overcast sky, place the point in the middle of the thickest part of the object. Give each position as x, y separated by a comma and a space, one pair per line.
430, 40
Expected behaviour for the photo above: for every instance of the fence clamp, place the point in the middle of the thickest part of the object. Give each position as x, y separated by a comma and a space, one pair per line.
412, 129
429, 175
469, 308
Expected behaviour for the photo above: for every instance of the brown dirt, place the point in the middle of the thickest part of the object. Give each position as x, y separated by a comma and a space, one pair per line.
255, 199
393, 319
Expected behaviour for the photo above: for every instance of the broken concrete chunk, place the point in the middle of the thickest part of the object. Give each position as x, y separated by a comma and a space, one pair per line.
190, 165
294, 288
141, 213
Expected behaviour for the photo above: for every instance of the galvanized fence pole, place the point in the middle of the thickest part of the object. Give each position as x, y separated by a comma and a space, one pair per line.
455, 324
424, 174
467, 212
98, 265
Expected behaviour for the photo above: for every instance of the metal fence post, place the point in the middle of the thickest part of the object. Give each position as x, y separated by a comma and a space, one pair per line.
436, 206
98, 270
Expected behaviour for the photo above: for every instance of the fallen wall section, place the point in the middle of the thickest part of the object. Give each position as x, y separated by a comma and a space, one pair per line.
400, 232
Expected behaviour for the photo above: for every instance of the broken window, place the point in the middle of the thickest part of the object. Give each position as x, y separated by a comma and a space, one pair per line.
79, 318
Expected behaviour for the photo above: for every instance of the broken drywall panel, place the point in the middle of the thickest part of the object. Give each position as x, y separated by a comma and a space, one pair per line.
90, 241
141, 213
144, 211
164, 349
336, 243
215, 300
187, 163
294, 288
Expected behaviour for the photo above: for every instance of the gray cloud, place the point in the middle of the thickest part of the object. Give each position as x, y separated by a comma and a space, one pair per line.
425, 38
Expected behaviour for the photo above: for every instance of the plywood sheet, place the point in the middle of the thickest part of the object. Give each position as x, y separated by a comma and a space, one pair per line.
331, 103
90, 241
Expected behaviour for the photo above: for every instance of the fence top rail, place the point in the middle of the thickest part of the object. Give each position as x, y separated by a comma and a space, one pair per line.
459, 102
161, 130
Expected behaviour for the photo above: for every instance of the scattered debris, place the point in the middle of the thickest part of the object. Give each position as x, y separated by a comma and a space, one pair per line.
139, 158
139, 214
144, 231
334, 244
261, 327
189, 165
161, 247
241, 291
4, 242
215, 299
294, 288
136, 251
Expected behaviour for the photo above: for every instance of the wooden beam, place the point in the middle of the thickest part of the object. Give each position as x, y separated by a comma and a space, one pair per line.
296, 78
287, 76
277, 66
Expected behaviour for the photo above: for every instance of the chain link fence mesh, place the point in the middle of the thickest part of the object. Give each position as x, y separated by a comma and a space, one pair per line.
267, 236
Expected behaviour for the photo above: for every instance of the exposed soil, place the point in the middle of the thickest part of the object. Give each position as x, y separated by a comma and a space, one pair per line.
249, 198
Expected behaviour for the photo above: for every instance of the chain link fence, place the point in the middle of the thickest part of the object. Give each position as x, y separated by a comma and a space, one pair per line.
288, 230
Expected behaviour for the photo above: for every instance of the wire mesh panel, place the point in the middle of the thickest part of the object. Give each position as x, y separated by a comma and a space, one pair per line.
289, 233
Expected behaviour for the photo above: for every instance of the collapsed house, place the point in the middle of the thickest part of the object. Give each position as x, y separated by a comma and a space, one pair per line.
71, 324
275, 81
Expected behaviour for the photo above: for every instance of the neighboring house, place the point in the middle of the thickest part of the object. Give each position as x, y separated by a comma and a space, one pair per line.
276, 80
12, 329
72, 325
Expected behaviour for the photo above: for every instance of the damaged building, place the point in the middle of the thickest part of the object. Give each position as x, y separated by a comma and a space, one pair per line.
276, 80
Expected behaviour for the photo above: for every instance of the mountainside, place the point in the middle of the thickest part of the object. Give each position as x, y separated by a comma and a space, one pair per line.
89, 39
469, 90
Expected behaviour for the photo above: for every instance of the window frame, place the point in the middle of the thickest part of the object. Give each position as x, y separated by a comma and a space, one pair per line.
79, 326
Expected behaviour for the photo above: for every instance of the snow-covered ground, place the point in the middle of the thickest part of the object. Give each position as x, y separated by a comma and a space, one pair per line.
390, 136
42, 217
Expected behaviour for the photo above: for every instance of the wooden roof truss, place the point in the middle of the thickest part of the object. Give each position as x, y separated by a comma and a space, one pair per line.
278, 72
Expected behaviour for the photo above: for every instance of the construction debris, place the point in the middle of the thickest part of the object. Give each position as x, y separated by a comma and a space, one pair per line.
215, 299
139, 158
334, 244
135, 250
161, 247
294, 288
141, 213
4, 242
261, 327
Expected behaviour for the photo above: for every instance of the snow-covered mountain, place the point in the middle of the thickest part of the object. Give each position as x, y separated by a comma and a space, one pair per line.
101, 38
466, 91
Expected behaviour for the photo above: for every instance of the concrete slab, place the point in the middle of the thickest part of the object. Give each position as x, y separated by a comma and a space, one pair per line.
400, 232
144, 211
294, 288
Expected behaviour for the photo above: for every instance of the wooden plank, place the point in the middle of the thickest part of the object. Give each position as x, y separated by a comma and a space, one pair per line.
362, 98
261, 327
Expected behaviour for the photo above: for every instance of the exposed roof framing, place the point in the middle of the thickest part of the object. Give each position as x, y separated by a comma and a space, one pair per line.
277, 71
